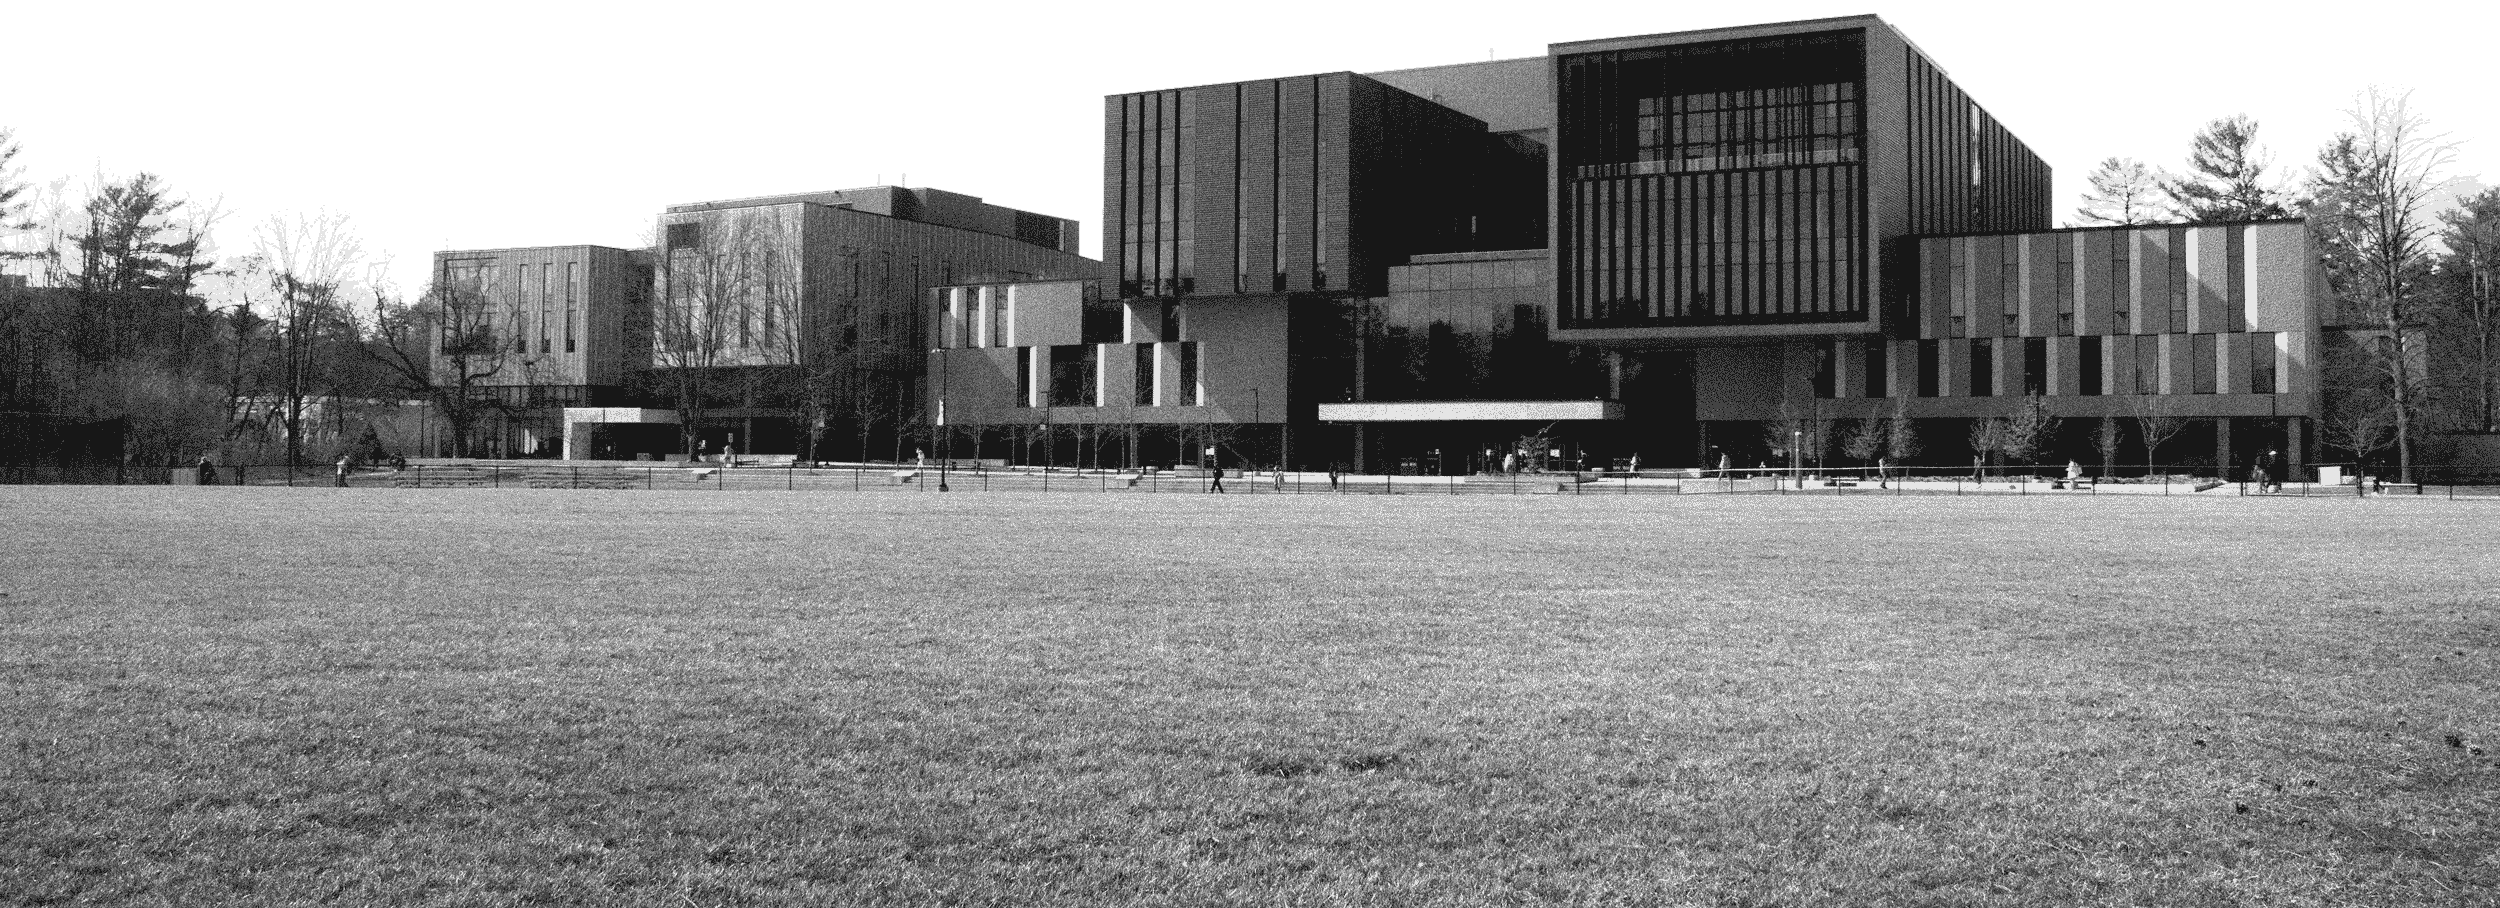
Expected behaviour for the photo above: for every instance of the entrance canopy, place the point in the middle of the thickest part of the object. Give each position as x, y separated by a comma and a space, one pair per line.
1472, 411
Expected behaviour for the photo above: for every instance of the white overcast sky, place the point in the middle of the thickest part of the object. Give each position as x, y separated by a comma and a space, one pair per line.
447, 125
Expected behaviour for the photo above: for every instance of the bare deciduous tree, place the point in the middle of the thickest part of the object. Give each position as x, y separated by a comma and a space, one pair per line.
2105, 439
1900, 434
2157, 420
309, 257
2029, 430
2370, 207
702, 276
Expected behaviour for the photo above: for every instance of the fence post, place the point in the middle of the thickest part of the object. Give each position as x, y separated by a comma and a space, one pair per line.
494, 474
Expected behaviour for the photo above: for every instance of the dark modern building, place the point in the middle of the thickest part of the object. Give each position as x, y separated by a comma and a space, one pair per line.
1668, 245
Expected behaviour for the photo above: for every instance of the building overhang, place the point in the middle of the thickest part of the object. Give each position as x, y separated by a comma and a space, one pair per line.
1472, 411
1709, 335
619, 415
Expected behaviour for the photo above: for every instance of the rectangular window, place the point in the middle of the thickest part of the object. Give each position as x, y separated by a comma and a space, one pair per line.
1145, 375
1024, 376
1983, 367
685, 236
2121, 282
2035, 365
1929, 368
544, 345
1068, 374
1877, 352
1826, 371
572, 282
2178, 282
2064, 278
1189, 374
2088, 366
570, 345
2261, 358
2147, 364
2202, 353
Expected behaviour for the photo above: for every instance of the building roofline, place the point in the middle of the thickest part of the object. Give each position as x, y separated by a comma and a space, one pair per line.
505, 249
1415, 69
2163, 225
1712, 34
1149, 91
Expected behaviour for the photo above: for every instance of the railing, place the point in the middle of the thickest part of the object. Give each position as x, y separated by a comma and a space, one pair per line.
2456, 483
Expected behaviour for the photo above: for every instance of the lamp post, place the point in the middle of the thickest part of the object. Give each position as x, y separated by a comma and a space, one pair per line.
1254, 416
1795, 457
946, 442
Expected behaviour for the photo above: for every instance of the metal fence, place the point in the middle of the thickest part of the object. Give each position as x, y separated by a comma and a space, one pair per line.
2455, 483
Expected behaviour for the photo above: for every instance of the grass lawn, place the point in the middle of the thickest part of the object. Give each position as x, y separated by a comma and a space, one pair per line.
231, 696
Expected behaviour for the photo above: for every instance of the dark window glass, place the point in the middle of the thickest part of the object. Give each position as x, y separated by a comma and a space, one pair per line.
1169, 322
1071, 375
1825, 369
1983, 367
1104, 321
1189, 374
685, 236
1145, 375
1024, 376
2261, 360
2035, 365
1929, 367
1876, 373
2088, 364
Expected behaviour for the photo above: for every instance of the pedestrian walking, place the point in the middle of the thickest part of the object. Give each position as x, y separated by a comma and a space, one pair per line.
208, 471
339, 478
1510, 462
1883, 472
1332, 479
1216, 485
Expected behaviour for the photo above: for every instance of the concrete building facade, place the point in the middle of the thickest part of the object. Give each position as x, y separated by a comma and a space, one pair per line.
784, 325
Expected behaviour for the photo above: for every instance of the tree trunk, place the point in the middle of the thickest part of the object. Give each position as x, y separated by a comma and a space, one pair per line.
2402, 372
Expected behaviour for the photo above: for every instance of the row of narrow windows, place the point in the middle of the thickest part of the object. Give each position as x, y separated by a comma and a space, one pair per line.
1075, 377
516, 316
2131, 364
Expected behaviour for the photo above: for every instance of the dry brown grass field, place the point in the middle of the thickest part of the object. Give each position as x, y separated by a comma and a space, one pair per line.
254, 696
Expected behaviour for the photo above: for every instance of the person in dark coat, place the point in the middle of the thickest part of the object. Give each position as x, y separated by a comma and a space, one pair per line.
208, 471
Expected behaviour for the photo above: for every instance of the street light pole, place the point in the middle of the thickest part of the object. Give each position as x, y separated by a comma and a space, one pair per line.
946, 443
1254, 413
1795, 457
